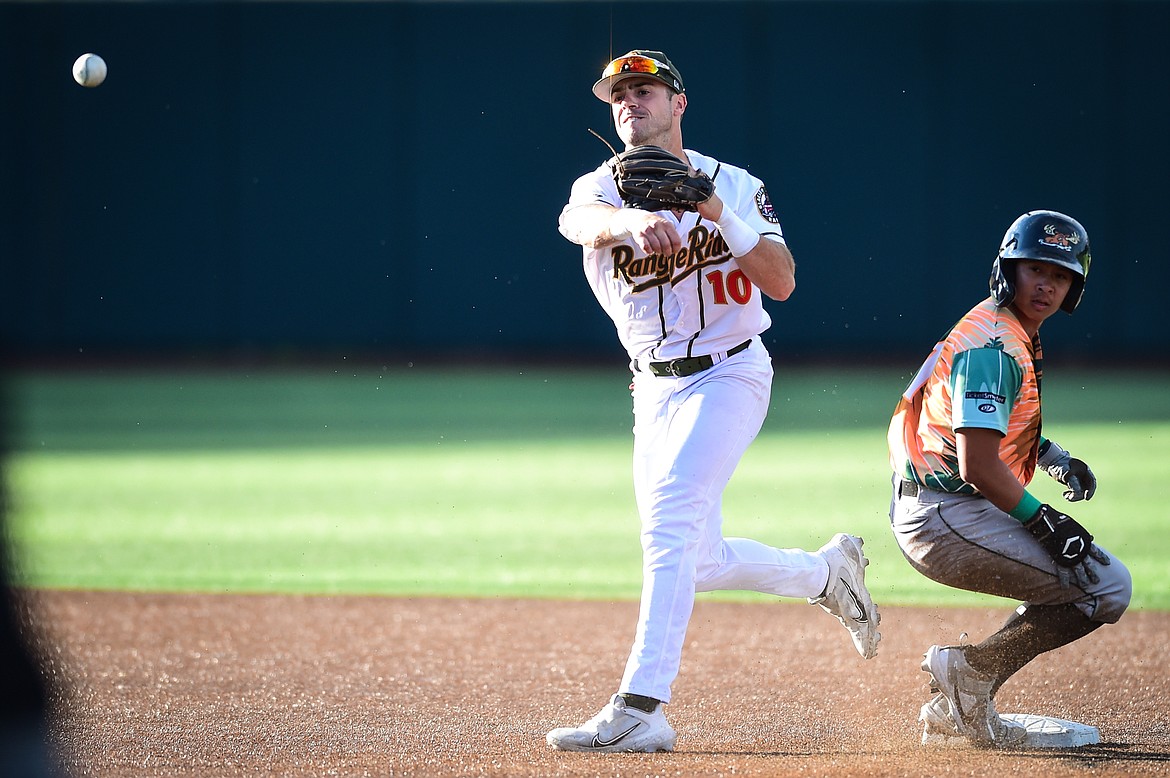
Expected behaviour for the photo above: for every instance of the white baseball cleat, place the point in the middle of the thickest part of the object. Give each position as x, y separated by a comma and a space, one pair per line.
845, 595
964, 706
1013, 730
937, 720
617, 728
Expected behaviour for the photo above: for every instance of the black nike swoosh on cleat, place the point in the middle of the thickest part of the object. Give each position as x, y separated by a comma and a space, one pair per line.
599, 743
861, 617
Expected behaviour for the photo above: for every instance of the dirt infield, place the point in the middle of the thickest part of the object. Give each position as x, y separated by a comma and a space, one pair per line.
187, 685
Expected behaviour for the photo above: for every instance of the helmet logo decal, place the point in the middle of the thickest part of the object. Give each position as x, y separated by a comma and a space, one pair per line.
1060, 240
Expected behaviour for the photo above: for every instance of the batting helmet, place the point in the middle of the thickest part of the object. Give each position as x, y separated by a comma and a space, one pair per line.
1046, 236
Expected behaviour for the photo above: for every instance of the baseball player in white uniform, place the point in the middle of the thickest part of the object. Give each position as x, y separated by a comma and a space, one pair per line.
684, 291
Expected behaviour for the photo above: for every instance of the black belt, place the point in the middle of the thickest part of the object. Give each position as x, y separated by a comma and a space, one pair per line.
908, 489
681, 368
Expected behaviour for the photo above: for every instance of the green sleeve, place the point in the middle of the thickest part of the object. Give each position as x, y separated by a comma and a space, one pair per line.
985, 383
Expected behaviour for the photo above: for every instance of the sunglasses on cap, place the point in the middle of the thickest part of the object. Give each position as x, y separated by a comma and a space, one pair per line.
634, 64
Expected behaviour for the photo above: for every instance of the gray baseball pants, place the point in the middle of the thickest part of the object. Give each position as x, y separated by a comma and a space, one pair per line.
965, 542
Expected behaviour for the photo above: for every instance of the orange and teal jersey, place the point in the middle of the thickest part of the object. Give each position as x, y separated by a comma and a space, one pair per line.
985, 373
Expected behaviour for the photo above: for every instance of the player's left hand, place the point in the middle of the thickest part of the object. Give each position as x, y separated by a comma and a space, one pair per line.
1068, 470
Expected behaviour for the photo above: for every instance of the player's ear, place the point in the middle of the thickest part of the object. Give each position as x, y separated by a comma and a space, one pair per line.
680, 104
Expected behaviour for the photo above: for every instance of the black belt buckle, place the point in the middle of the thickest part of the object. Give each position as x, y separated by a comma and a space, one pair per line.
680, 368
908, 488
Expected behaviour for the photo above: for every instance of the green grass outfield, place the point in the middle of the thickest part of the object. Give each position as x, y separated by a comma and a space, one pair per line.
494, 482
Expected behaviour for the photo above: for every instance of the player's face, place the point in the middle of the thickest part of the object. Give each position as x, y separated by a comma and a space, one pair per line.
645, 111
1040, 289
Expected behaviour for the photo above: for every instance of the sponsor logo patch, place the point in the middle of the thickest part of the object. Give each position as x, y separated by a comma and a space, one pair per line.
998, 398
987, 408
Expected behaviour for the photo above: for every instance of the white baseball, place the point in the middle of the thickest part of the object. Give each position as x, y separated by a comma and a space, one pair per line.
89, 70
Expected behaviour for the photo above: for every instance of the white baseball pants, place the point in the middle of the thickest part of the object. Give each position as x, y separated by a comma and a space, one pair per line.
689, 435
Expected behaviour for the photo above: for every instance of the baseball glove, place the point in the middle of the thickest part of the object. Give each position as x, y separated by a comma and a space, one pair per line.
652, 179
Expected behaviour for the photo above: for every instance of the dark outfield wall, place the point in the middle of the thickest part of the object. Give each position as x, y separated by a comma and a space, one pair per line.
386, 177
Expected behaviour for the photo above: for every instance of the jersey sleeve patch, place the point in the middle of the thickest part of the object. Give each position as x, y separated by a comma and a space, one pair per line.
764, 206
984, 386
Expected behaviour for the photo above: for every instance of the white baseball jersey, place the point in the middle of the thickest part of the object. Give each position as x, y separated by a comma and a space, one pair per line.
690, 432
696, 302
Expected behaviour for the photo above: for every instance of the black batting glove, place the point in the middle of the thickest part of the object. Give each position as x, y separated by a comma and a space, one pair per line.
1080, 481
1068, 470
1069, 544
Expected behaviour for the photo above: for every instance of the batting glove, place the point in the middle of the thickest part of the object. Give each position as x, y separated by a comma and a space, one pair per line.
1066, 469
1069, 544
